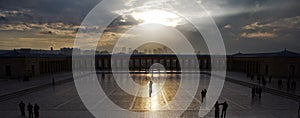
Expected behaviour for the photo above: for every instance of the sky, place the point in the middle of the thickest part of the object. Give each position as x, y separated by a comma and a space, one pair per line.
245, 25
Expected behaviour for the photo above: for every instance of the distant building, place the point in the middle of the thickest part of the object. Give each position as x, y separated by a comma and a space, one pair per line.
130, 50
22, 63
68, 51
155, 51
159, 51
282, 64
123, 50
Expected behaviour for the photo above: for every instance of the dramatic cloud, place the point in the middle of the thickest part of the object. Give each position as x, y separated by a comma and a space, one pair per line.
292, 22
57, 21
262, 35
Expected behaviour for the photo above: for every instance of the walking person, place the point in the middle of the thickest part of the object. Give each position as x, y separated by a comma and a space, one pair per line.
224, 109
258, 79
22, 108
150, 88
29, 109
217, 110
36, 109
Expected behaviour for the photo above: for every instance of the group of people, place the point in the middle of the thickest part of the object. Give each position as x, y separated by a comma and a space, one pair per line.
260, 78
203, 94
256, 90
32, 110
217, 109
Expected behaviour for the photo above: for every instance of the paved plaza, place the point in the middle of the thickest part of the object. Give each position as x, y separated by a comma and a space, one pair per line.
63, 101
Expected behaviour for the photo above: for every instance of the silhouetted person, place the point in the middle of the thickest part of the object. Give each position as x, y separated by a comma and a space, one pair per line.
270, 79
258, 78
248, 75
22, 108
36, 109
150, 88
29, 108
217, 110
53, 82
202, 95
264, 82
224, 109
103, 75
253, 92
256, 90
252, 77
259, 92
279, 84
293, 85
299, 110
288, 83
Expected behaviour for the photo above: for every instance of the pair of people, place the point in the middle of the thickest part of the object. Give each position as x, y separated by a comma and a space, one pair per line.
217, 109
256, 90
31, 110
203, 94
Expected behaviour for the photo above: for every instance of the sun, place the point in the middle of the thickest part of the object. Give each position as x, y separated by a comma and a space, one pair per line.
158, 17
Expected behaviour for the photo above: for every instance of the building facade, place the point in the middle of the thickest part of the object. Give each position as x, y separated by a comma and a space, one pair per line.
27, 63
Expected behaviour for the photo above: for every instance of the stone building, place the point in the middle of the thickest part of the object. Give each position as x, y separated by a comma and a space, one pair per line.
27, 63
282, 64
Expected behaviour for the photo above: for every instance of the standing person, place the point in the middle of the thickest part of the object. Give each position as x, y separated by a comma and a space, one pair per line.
224, 109
29, 108
253, 92
22, 108
279, 84
259, 92
205, 92
36, 109
288, 84
202, 95
258, 78
264, 82
53, 82
217, 110
150, 88
299, 110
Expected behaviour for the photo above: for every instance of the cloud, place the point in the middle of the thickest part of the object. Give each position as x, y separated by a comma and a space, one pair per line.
291, 22
228, 26
58, 28
262, 35
18, 27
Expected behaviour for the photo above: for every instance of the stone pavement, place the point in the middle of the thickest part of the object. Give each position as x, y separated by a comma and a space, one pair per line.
63, 101
272, 87
273, 84
13, 86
